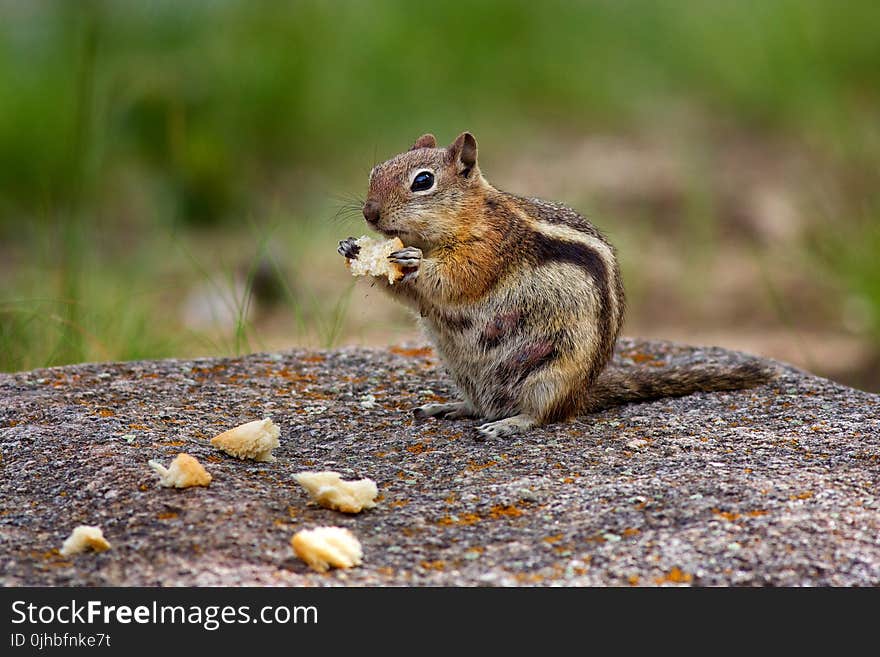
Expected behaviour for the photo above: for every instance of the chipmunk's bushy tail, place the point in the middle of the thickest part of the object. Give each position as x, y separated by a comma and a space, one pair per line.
618, 386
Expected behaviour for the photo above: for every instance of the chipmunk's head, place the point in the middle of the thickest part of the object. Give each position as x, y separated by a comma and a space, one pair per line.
417, 195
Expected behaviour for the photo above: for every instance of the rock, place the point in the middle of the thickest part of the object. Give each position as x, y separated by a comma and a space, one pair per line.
773, 486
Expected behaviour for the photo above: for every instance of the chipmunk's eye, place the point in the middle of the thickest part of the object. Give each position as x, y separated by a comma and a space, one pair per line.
423, 180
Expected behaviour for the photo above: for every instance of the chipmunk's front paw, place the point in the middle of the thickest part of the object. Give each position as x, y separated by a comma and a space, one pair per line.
410, 259
453, 411
349, 248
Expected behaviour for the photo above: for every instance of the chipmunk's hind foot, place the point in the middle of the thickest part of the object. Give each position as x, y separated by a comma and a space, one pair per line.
509, 426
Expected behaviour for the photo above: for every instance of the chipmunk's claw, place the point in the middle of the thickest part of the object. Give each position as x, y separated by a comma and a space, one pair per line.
506, 427
408, 258
348, 248
453, 411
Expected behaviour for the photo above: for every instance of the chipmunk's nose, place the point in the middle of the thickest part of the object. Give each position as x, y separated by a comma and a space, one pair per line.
371, 212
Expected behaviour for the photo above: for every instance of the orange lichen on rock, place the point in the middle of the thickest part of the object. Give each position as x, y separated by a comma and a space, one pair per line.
675, 576
508, 511
463, 519
419, 352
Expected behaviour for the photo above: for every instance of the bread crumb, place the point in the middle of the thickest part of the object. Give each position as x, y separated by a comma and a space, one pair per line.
254, 440
85, 537
330, 491
324, 547
184, 471
372, 259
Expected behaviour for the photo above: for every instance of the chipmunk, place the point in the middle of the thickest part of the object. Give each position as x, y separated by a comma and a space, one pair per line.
522, 298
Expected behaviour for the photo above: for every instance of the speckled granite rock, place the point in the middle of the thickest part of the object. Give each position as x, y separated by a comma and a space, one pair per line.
777, 485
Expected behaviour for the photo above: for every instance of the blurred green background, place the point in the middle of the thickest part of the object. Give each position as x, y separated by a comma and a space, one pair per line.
174, 176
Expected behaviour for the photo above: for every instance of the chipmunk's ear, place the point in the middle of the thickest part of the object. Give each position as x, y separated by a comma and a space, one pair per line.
463, 151
425, 141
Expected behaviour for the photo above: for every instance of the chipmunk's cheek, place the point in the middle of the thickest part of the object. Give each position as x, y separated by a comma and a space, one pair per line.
388, 225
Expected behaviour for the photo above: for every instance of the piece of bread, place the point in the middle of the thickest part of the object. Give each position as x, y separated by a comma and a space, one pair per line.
372, 259
254, 440
184, 471
324, 547
85, 537
330, 491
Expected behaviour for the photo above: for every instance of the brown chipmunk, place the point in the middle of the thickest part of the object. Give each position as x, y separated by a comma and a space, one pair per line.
522, 298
